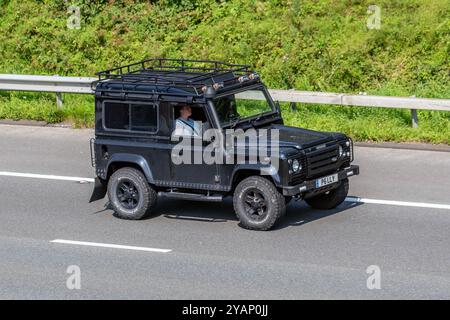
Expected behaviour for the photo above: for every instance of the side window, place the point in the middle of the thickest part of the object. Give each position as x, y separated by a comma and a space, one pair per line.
144, 117
189, 120
117, 115
131, 117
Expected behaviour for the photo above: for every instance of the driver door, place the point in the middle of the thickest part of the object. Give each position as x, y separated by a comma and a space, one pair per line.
188, 169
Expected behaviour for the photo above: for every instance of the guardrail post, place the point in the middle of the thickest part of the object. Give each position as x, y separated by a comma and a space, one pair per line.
293, 105
414, 118
59, 101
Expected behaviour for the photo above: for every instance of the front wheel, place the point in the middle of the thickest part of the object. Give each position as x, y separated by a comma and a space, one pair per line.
330, 199
258, 204
130, 194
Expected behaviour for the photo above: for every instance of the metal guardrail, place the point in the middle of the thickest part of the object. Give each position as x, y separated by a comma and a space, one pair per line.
17, 82
82, 85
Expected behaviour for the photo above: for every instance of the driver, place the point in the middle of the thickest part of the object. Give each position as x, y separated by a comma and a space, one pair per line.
185, 125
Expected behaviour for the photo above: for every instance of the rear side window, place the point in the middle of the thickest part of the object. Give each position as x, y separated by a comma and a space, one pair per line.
130, 117
143, 117
117, 115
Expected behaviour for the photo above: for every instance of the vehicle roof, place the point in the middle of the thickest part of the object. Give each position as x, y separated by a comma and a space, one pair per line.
170, 77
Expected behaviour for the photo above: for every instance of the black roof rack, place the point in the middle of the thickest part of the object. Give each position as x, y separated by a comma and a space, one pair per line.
159, 75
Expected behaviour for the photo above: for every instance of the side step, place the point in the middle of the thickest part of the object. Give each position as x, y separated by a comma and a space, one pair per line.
190, 196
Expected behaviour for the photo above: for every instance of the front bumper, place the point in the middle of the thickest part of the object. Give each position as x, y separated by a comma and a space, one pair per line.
309, 186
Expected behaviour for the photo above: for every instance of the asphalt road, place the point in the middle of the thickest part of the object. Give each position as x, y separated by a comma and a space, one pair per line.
311, 255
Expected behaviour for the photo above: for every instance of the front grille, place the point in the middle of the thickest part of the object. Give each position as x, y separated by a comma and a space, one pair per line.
322, 161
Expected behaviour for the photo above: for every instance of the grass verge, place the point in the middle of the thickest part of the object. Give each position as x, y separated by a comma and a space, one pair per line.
360, 123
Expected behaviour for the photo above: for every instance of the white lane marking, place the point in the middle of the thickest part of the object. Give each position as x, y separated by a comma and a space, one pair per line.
44, 176
398, 203
106, 245
348, 199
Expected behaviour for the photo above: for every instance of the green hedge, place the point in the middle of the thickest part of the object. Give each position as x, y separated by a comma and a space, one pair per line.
321, 45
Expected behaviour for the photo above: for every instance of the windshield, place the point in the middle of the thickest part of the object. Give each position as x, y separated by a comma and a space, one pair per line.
243, 105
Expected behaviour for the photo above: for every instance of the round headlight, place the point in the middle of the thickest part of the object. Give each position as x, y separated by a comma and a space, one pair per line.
341, 151
296, 166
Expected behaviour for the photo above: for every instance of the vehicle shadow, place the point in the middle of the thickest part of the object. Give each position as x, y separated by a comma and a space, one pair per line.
297, 212
197, 211
187, 210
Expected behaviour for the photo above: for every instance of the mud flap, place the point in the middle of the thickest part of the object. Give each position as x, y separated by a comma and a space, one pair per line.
99, 191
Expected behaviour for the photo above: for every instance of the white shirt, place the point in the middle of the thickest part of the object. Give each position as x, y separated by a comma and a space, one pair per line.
187, 127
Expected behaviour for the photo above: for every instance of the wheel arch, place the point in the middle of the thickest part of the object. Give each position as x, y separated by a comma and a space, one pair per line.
121, 160
242, 172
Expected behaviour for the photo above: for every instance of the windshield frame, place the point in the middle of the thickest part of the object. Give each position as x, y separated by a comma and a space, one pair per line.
260, 87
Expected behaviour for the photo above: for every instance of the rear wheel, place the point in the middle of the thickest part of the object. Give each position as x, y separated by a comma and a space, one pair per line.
130, 195
258, 204
330, 199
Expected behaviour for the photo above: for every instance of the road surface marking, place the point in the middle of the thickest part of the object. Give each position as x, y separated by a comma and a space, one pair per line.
398, 203
44, 176
106, 245
348, 199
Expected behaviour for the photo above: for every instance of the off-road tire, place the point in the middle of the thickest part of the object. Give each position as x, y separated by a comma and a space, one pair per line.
331, 199
146, 195
274, 203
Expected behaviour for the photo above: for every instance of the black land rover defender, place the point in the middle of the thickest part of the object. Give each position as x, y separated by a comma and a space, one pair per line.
138, 108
